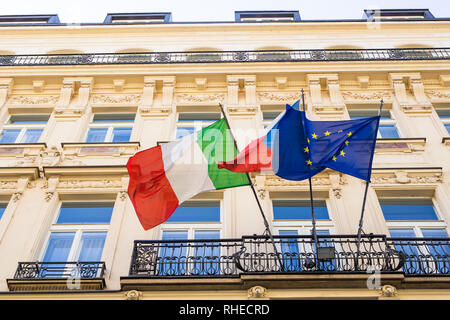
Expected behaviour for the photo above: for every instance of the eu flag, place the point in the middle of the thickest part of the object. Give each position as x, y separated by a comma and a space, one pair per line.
346, 146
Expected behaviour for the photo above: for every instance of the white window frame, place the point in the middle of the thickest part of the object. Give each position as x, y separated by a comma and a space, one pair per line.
23, 127
78, 229
417, 225
391, 121
196, 124
191, 227
109, 125
303, 226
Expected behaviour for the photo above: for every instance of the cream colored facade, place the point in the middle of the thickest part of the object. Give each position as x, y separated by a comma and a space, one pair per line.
35, 178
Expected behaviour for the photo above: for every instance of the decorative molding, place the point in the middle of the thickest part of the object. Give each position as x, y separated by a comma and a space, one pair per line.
367, 96
242, 110
388, 291
33, 100
188, 98
133, 99
257, 292
406, 176
329, 179
161, 112
123, 195
265, 97
100, 183
133, 295
438, 94
400, 146
6, 85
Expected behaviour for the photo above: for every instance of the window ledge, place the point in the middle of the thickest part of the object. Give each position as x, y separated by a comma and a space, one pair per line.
404, 145
55, 284
21, 149
83, 149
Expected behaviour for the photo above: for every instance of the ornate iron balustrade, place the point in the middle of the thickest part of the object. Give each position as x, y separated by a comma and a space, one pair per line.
227, 56
297, 254
424, 256
53, 270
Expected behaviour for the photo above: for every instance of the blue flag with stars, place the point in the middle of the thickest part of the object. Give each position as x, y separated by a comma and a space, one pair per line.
346, 146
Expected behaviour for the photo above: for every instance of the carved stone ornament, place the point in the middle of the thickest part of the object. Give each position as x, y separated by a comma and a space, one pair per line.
133, 295
404, 177
187, 98
366, 96
433, 94
278, 97
257, 292
123, 195
388, 291
116, 99
33, 100
94, 184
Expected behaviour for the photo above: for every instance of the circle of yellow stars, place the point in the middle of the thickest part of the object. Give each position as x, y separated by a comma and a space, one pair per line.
340, 153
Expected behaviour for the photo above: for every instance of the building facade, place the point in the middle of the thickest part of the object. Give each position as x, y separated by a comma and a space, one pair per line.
78, 100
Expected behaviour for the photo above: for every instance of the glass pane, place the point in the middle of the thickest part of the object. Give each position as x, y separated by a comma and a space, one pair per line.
408, 209
181, 132
197, 211
358, 114
443, 113
121, 134
91, 246
289, 250
58, 247
9, 136
32, 135
172, 255
29, 119
211, 116
114, 117
298, 210
388, 131
2, 209
402, 233
270, 115
447, 126
206, 254
96, 135
80, 213
434, 233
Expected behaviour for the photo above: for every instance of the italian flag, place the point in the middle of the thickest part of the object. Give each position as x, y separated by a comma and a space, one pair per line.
162, 177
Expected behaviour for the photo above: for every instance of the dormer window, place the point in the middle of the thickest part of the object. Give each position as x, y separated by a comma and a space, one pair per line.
29, 19
391, 14
266, 16
156, 17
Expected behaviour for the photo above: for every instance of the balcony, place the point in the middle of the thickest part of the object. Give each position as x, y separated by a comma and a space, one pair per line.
58, 276
228, 56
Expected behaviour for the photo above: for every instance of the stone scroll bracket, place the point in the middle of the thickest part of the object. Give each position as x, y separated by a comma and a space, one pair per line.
6, 85
410, 94
241, 94
325, 95
81, 87
158, 96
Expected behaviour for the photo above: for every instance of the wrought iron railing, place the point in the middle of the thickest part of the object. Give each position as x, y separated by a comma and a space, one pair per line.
294, 254
424, 256
227, 56
52, 270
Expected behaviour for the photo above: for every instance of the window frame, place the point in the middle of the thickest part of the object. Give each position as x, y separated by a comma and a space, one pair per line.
195, 124
76, 228
417, 225
392, 121
23, 127
444, 121
110, 126
191, 227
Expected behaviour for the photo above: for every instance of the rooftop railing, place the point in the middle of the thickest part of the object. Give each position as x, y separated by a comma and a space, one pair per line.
227, 56
294, 254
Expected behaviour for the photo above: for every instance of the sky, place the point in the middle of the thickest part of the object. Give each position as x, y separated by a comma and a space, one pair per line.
94, 11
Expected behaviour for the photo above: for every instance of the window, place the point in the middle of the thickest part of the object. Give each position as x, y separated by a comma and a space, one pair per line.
77, 234
339, 54
203, 57
273, 56
191, 258
110, 128
24, 128
299, 210
269, 113
193, 121
444, 115
197, 220
2, 208
387, 127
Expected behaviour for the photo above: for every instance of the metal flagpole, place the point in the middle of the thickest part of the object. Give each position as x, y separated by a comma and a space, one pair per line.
266, 223
316, 242
358, 243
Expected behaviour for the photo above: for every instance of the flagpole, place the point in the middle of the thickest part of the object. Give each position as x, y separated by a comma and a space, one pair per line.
316, 242
266, 223
358, 243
